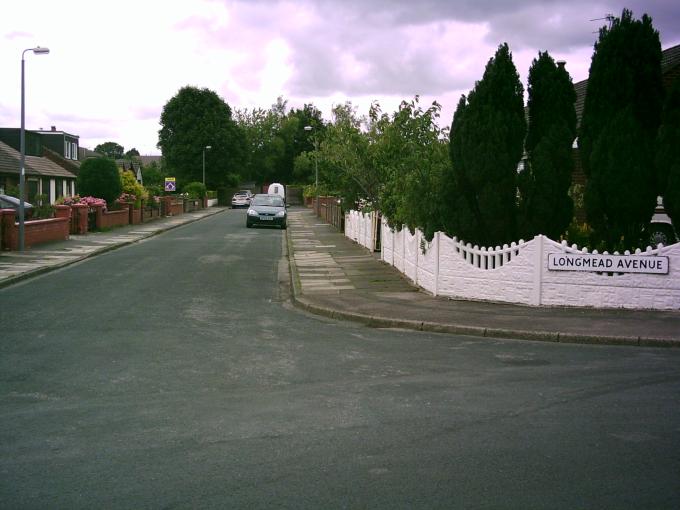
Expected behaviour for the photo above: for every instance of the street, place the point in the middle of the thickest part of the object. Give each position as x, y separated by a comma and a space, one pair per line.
173, 373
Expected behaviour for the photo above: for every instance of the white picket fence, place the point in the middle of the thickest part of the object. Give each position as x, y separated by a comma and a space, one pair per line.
362, 228
519, 273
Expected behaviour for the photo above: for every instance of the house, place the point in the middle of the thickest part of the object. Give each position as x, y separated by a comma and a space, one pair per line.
51, 162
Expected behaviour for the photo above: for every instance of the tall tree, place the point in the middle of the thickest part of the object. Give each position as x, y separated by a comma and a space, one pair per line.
620, 121
668, 154
487, 137
192, 120
545, 206
110, 150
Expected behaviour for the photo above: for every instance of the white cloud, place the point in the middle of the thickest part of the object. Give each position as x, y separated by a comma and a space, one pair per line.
112, 67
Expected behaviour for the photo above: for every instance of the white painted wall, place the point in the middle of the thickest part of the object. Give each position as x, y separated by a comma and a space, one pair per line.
519, 273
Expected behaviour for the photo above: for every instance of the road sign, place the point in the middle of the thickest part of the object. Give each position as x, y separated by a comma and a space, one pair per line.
170, 184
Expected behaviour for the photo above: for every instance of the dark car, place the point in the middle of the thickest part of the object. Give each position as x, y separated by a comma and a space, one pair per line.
10, 202
267, 210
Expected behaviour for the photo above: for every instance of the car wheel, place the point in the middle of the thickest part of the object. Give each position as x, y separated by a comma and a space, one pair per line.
248, 225
283, 227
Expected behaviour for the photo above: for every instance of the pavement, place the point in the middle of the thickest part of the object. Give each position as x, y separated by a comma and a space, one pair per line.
333, 276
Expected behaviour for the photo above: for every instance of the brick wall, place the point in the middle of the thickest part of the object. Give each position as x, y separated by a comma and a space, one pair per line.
35, 231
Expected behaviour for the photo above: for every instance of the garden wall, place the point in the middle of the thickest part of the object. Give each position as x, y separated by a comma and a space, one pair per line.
35, 231
535, 272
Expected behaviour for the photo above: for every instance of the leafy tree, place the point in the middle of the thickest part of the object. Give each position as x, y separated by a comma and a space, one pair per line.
110, 150
545, 205
99, 177
132, 153
191, 120
411, 154
620, 121
344, 163
668, 154
132, 187
487, 137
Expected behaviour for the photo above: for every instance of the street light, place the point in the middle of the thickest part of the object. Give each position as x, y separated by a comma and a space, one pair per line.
22, 172
316, 168
208, 147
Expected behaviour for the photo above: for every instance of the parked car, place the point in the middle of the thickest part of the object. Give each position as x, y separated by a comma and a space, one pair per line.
241, 199
267, 210
10, 202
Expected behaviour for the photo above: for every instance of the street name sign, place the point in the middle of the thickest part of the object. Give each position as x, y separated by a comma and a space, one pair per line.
607, 263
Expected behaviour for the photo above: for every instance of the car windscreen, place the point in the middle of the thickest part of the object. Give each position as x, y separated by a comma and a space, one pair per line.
270, 201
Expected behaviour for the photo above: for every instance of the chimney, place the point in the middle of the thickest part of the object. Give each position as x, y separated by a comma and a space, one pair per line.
54, 128
561, 63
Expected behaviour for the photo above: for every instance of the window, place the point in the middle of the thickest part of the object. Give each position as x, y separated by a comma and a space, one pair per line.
74, 151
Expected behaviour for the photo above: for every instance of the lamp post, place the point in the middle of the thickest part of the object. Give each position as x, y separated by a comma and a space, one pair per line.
316, 168
207, 147
22, 137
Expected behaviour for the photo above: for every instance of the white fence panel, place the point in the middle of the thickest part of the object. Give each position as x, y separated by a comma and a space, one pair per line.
519, 273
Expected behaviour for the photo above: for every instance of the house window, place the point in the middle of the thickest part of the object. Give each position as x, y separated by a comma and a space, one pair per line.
74, 151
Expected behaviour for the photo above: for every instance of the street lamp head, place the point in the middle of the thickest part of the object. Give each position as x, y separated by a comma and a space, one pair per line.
308, 128
40, 51
208, 146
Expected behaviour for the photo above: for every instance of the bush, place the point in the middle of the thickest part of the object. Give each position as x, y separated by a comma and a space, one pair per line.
42, 208
135, 192
99, 177
195, 190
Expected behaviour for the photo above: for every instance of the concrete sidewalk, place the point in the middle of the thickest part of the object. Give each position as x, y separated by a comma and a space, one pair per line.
333, 276
16, 266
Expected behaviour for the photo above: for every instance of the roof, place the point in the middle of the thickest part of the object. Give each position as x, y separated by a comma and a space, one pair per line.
35, 165
670, 59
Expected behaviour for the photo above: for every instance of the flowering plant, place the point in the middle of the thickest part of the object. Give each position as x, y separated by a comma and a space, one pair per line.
126, 198
91, 201
77, 199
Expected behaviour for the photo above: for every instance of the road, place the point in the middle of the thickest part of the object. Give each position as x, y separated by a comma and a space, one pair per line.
173, 374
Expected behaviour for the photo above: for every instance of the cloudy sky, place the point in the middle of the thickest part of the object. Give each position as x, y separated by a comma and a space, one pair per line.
113, 65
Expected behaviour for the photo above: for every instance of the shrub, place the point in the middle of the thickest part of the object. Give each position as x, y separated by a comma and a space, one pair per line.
132, 190
195, 190
99, 177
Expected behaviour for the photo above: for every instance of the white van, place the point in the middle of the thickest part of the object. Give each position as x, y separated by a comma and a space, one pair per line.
277, 189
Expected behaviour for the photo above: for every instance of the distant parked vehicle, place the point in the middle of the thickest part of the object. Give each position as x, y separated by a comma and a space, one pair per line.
269, 210
241, 199
10, 202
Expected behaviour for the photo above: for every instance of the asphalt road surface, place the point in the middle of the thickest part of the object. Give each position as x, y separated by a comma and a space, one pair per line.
173, 374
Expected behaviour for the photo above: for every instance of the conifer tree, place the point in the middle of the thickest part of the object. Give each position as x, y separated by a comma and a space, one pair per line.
545, 206
487, 137
620, 121
668, 155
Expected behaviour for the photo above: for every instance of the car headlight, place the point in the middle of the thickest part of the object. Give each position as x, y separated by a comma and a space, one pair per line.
252, 212
281, 214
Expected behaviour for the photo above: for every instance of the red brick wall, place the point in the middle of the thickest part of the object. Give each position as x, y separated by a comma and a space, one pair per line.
35, 231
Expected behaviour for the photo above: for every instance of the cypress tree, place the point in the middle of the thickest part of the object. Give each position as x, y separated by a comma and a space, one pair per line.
620, 121
545, 206
668, 155
487, 137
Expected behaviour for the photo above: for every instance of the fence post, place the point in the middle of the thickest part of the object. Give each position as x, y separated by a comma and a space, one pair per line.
538, 271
